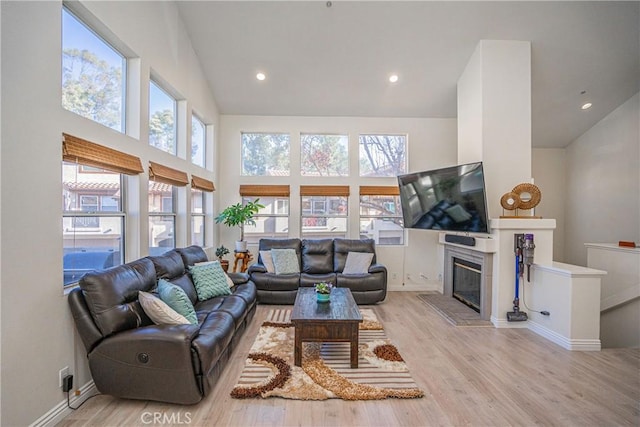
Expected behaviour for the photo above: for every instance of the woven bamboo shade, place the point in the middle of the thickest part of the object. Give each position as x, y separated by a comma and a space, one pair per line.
78, 150
265, 190
198, 183
379, 190
324, 190
167, 175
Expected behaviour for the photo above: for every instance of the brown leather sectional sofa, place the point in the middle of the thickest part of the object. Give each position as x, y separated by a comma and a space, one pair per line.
131, 357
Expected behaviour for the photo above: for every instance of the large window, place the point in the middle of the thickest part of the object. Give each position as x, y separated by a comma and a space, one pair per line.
380, 215
93, 220
383, 155
162, 119
272, 221
93, 75
162, 217
197, 217
198, 141
325, 211
324, 155
265, 154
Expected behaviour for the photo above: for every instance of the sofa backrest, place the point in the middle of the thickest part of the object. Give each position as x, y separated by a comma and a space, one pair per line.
112, 295
342, 247
268, 244
170, 267
317, 256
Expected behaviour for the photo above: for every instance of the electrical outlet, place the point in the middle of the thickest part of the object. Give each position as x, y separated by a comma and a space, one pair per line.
394, 276
409, 277
424, 276
62, 374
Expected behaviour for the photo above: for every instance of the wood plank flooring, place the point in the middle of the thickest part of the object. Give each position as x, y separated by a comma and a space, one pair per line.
470, 376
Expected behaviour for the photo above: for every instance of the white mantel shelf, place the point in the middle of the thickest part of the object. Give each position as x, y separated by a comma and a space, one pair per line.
485, 245
613, 247
522, 223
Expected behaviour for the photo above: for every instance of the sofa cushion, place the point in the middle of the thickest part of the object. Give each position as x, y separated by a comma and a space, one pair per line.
357, 263
177, 299
171, 267
210, 280
285, 261
112, 295
159, 311
317, 256
192, 255
342, 247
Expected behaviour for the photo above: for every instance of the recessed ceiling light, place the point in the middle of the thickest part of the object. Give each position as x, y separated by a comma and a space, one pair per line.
393, 78
261, 76
586, 105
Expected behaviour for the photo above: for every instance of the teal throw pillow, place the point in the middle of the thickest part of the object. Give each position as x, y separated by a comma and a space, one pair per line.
176, 298
210, 280
285, 261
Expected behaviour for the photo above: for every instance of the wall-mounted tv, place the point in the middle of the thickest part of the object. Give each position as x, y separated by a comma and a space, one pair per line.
447, 199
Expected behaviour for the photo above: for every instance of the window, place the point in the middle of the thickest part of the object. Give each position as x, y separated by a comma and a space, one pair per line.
92, 222
93, 75
265, 154
163, 181
198, 141
273, 220
383, 155
324, 211
162, 119
197, 217
324, 155
380, 215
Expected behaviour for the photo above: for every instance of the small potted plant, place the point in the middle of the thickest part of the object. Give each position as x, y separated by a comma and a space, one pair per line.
323, 291
220, 253
240, 215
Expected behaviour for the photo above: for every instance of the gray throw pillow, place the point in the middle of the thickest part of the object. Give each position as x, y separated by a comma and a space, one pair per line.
357, 263
285, 261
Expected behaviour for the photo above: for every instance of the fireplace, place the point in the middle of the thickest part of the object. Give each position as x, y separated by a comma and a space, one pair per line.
468, 278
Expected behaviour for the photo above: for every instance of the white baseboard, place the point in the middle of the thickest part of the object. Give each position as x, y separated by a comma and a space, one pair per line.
61, 410
564, 342
410, 287
500, 322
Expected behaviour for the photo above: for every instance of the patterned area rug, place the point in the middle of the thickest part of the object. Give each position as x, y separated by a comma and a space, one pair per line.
454, 311
325, 373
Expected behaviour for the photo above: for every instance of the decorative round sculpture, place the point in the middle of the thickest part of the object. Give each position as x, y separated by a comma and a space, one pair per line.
510, 201
529, 195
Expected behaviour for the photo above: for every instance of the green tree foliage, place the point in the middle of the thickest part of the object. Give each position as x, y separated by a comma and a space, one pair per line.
265, 154
92, 88
324, 155
382, 155
162, 133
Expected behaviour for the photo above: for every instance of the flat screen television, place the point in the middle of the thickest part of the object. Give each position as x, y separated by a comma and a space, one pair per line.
447, 199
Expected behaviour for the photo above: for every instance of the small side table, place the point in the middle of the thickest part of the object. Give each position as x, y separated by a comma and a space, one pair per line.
246, 257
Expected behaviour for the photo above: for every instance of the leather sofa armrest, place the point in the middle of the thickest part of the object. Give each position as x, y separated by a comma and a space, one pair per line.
168, 334
377, 268
257, 268
239, 278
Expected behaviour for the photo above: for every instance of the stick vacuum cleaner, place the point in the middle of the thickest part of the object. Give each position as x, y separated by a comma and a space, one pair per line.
523, 247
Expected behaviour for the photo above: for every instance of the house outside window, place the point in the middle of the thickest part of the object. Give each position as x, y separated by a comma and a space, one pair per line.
383, 155
162, 217
265, 154
198, 141
162, 119
197, 217
272, 221
381, 216
92, 222
93, 74
324, 155
324, 211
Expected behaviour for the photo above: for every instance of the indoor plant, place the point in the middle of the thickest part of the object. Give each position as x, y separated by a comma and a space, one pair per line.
220, 253
323, 291
239, 215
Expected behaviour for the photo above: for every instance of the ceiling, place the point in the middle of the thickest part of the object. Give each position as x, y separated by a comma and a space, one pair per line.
335, 61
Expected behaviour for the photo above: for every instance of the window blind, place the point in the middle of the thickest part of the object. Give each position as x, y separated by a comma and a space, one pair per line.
265, 190
324, 190
167, 175
198, 183
379, 190
78, 150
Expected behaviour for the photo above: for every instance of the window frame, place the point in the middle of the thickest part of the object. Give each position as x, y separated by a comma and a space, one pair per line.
203, 143
321, 174
393, 174
321, 195
163, 214
202, 215
161, 88
396, 217
243, 171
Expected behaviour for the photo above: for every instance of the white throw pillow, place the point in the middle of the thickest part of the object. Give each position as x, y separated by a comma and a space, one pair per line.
229, 281
159, 311
267, 261
357, 263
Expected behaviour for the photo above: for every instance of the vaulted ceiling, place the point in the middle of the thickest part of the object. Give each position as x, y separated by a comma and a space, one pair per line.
335, 60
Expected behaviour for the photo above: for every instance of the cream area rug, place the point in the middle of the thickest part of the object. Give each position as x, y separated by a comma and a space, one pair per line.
325, 373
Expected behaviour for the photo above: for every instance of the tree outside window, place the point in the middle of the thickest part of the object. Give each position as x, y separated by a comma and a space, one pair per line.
162, 119
324, 155
265, 154
383, 155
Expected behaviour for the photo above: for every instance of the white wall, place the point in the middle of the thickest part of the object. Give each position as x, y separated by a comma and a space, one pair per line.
602, 200
432, 144
38, 334
548, 167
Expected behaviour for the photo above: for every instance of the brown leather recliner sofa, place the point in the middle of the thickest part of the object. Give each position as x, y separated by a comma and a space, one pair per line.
319, 260
131, 357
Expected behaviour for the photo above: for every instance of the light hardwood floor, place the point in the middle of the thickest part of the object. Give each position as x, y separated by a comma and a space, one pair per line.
471, 376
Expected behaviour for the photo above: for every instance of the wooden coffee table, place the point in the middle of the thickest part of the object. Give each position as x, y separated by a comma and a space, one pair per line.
335, 321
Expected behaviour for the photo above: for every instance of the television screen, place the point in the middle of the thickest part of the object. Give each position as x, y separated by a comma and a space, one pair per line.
447, 199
